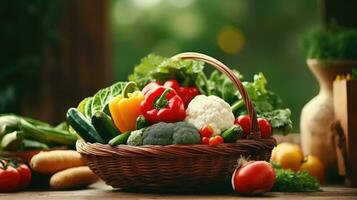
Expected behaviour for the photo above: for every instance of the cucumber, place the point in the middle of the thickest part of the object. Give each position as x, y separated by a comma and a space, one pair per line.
82, 126
120, 139
104, 126
141, 122
232, 134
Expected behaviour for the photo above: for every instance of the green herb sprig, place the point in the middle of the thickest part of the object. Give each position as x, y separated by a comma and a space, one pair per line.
334, 42
289, 181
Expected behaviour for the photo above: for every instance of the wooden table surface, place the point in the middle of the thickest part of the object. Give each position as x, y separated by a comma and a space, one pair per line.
101, 191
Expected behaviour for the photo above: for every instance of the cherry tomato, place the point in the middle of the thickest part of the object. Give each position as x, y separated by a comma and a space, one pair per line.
206, 131
205, 140
253, 177
9, 178
245, 122
25, 175
216, 140
265, 127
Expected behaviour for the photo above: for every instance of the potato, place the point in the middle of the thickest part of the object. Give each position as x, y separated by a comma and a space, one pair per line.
73, 178
51, 162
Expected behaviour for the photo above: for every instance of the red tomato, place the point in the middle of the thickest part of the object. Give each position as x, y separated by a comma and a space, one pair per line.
205, 140
206, 131
254, 177
265, 127
245, 122
25, 175
216, 140
9, 178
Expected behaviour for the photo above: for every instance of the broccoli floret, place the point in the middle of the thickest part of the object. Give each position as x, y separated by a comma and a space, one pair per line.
185, 133
136, 138
159, 134
171, 133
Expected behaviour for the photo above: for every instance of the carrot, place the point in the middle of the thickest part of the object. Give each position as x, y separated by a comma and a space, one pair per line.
51, 162
73, 178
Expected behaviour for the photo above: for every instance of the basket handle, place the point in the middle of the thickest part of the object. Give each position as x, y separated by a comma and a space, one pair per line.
255, 133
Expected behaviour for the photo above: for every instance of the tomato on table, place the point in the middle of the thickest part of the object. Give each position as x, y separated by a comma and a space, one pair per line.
25, 175
253, 177
9, 177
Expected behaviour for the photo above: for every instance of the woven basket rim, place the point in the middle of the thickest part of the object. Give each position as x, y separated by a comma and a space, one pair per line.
174, 151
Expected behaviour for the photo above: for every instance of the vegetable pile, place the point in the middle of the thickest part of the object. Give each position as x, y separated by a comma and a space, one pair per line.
66, 169
290, 181
258, 177
290, 157
171, 101
22, 134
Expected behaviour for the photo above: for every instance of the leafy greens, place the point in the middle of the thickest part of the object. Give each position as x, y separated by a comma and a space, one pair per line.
190, 72
266, 103
160, 69
100, 100
289, 181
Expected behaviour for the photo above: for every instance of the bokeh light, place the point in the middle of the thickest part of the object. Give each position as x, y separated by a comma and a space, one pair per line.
187, 25
124, 14
180, 3
230, 40
146, 3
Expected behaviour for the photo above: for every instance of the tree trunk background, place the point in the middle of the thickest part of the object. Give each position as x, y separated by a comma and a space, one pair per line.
79, 67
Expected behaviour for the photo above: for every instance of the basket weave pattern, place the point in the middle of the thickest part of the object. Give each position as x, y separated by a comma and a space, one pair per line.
176, 166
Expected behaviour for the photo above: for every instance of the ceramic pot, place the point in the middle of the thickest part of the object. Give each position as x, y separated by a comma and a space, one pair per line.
318, 114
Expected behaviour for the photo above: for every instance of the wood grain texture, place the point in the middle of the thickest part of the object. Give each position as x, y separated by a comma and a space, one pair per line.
78, 66
101, 191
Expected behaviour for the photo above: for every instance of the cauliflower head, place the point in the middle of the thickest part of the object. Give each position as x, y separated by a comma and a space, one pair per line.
210, 110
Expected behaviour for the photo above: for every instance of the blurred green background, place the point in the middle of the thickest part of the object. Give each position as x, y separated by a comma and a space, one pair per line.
248, 35
42, 40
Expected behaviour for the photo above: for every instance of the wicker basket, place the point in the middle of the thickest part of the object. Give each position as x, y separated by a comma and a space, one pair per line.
157, 167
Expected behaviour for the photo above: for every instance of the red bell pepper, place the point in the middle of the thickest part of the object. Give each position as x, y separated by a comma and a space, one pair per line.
162, 104
186, 93
149, 87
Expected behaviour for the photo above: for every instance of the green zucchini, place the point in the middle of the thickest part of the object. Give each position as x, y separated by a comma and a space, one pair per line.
82, 126
120, 139
141, 122
104, 126
232, 134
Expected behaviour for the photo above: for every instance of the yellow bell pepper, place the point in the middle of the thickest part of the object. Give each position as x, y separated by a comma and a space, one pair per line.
125, 108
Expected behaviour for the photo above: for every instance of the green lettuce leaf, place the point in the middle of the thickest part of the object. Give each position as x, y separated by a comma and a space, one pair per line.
99, 102
143, 70
160, 69
221, 86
